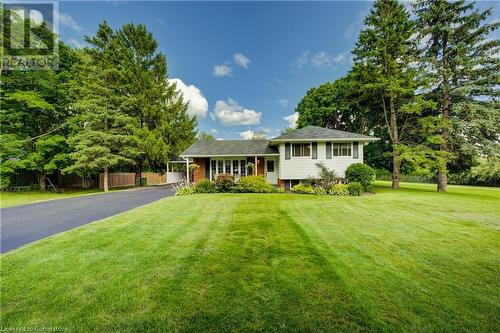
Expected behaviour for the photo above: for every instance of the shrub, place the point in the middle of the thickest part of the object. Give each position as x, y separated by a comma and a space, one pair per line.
318, 190
486, 173
224, 182
254, 184
340, 190
362, 173
327, 177
185, 189
205, 186
301, 188
355, 189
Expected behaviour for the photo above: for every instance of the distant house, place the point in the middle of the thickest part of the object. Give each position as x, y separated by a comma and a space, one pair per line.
284, 160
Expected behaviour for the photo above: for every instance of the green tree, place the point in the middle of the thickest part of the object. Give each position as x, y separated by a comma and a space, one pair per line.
338, 105
385, 52
34, 111
259, 135
462, 64
204, 136
159, 114
102, 136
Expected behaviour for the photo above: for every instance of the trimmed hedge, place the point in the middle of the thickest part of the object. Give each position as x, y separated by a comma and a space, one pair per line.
361, 173
254, 184
301, 188
340, 190
205, 186
355, 189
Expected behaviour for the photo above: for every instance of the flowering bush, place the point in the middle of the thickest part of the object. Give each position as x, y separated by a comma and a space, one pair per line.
224, 182
185, 189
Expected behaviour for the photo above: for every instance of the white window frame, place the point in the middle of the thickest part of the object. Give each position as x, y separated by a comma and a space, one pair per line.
340, 144
292, 151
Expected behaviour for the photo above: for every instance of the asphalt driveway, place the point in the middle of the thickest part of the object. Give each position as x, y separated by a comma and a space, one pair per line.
25, 224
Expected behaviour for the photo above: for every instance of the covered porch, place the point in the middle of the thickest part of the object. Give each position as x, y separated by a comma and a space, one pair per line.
238, 166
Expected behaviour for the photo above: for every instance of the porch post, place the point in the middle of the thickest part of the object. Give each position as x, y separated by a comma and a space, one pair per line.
255, 167
187, 170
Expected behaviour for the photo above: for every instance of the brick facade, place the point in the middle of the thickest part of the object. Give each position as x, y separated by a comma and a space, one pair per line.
260, 166
281, 183
199, 173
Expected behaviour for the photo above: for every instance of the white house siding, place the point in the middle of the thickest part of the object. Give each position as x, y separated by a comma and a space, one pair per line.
305, 167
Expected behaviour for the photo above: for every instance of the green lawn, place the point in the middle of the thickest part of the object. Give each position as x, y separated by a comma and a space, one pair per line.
412, 260
9, 199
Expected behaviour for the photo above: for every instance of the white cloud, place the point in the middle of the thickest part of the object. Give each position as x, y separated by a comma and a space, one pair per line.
159, 20
214, 131
222, 70
74, 42
320, 60
325, 60
247, 135
292, 119
231, 113
283, 102
36, 16
69, 22
302, 60
198, 105
241, 60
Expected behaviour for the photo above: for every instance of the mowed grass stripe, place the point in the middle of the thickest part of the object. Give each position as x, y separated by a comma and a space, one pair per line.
425, 262
411, 260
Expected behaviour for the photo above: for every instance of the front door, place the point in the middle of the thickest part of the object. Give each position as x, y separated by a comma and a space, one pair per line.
271, 171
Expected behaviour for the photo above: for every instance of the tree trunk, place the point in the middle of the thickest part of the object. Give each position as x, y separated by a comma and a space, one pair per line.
105, 179
138, 174
395, 141
396, 168
442, 177
42, 177
442, 181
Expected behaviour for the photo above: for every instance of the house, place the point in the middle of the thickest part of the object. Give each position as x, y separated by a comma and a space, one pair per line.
284, 160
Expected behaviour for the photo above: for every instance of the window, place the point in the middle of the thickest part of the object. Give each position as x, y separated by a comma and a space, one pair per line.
228, 166
243, 165
355, 150
214, 168
341, 149
270, 166
235, 167
220, 166
336, 149
301, 149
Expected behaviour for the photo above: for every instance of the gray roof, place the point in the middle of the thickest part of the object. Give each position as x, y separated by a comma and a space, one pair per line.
230, 148
322, 133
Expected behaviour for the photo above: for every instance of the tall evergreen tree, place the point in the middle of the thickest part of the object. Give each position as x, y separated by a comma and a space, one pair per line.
102, 136
157, 110
463, 66
385, 51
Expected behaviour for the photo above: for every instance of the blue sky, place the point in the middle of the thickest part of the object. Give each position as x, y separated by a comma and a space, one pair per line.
243, 65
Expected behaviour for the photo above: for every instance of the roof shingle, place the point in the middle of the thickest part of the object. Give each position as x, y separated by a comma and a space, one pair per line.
315, 132
230, 148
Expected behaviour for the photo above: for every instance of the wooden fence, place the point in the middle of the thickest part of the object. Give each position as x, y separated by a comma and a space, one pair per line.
123, 179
